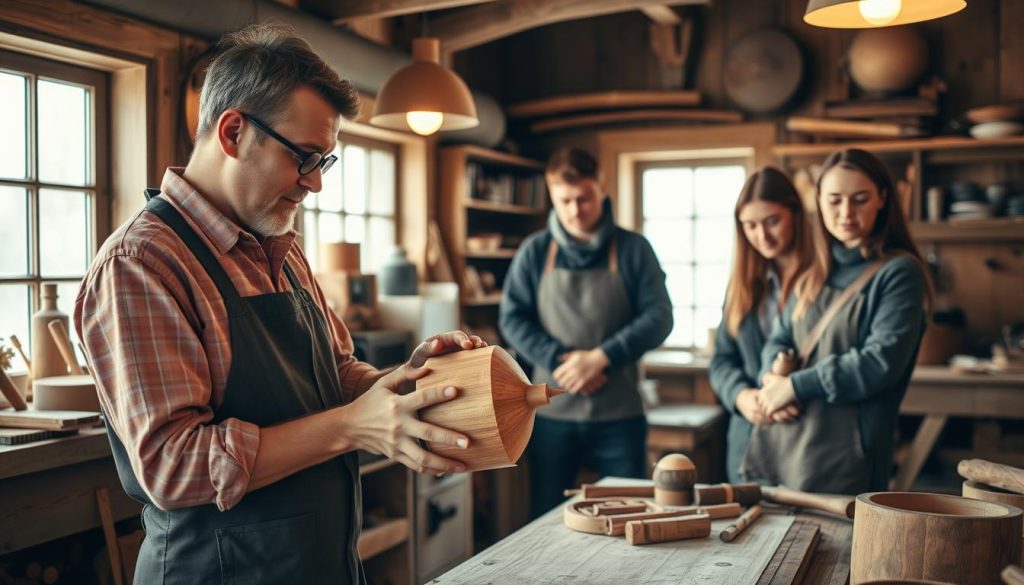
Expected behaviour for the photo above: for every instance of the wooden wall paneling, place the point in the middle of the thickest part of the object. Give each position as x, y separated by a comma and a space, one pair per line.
967, 52
819, 66
1011, 50
990, 297
710, 49
629, 62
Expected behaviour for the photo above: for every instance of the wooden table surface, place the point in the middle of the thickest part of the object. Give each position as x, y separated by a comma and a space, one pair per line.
546, 551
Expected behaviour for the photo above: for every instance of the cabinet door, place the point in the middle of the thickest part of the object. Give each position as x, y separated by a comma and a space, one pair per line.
443, 530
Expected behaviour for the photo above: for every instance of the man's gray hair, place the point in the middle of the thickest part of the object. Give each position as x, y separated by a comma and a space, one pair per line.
257, 68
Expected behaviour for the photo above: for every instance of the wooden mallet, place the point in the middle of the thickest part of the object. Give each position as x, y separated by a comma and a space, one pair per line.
674, 476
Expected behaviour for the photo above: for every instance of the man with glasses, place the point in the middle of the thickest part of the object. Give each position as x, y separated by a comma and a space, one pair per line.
234, 404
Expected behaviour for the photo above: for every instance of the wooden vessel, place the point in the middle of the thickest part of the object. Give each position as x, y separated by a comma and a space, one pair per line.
46, 357
981, 491
66, 393
494, 408
903, 535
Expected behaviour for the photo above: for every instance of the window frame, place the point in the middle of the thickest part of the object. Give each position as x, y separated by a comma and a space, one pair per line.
640, 167
367, 143
97, 187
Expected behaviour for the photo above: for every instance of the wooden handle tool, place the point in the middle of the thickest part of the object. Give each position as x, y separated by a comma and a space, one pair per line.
668, 529
1013, 575
741, 523
11, 393
721, 510
60, 337
833, 504
994, 474
590, 491
17, 345
746, 494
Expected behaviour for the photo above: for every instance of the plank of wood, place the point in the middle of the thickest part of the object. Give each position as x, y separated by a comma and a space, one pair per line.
793, 557
660, 14
53, 420
603, 100
693, 115
830, 564
881, 108
830, 127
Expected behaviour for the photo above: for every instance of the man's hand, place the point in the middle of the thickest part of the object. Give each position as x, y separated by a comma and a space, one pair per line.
443, 343
776, 395
582, 371
385, 422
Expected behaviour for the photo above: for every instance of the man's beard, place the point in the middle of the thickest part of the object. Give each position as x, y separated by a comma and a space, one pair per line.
266, 223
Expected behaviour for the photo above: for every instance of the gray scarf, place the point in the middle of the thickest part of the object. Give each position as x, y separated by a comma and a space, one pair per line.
579, 254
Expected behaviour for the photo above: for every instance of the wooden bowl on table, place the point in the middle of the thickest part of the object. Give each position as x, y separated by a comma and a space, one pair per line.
904, 535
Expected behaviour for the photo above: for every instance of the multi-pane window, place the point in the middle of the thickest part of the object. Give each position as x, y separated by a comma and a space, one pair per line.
687, 209
52, 182
356, 203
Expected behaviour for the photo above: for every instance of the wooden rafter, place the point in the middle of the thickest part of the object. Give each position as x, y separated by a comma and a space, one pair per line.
477, 25
661, 14
343, 11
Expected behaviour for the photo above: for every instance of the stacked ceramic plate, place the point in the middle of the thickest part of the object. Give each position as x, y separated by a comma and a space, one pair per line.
996, 121
967, 201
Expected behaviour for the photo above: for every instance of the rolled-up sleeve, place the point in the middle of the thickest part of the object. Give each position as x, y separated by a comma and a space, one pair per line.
154, 383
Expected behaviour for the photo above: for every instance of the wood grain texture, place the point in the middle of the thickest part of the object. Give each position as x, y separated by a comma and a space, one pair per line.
994, 474
741, 523
604, 100
494, 407
963, 540
668, 529
793, 558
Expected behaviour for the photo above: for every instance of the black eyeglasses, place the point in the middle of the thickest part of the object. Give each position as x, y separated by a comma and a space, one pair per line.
308, 161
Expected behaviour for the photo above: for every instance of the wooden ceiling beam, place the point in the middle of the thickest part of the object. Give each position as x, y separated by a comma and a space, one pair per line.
477, 25
344, 11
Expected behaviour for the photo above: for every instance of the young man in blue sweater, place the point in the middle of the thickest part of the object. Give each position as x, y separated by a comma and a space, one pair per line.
583, 300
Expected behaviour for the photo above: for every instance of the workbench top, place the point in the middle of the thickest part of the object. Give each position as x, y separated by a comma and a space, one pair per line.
546, 551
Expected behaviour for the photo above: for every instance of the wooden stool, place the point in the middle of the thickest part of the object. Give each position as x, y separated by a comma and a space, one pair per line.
696, 430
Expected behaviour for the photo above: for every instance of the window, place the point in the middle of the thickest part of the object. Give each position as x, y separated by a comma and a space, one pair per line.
53, 176
687, 211
356, 203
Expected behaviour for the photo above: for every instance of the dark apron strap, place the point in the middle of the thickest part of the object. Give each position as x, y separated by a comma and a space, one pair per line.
165, 211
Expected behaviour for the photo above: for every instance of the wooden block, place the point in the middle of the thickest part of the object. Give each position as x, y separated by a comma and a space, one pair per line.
668, 529
54, 420
616, 525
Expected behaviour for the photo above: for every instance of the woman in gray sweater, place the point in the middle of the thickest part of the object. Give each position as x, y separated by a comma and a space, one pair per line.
851, 385
773, 247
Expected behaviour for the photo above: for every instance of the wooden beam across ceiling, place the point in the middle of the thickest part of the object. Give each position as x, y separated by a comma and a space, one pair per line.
344, 11
661, 14
476, 25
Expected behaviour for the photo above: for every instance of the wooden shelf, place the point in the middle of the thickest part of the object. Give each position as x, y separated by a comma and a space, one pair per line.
381, 538
484, 205
484, 301
877, 146
492, 156
979, 230
491, 254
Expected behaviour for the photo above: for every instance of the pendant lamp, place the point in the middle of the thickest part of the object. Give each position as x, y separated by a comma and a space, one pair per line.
876, 13
424, 96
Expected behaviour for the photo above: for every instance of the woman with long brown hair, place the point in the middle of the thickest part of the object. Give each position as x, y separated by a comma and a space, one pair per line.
773, 247
858, 361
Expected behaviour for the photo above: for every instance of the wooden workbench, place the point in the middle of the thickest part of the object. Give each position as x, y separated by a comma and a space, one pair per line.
48, 489
935, 392
546, 551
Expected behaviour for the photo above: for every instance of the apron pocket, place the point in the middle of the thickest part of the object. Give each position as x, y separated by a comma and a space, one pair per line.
268, 552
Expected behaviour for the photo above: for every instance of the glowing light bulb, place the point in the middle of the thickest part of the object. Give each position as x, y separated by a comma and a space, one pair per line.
424, 123
880, 12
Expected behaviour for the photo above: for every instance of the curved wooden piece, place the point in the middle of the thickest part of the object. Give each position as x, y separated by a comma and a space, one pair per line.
578, 515
980, 491
1013, 575
994, 474
596, 119
494, 408
904, 535
830, 503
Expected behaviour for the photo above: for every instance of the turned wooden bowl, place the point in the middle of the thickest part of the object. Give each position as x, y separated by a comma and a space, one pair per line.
933, 537
494, 408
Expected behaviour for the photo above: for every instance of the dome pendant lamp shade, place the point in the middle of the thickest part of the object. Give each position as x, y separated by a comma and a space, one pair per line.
425, 97
876, 13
